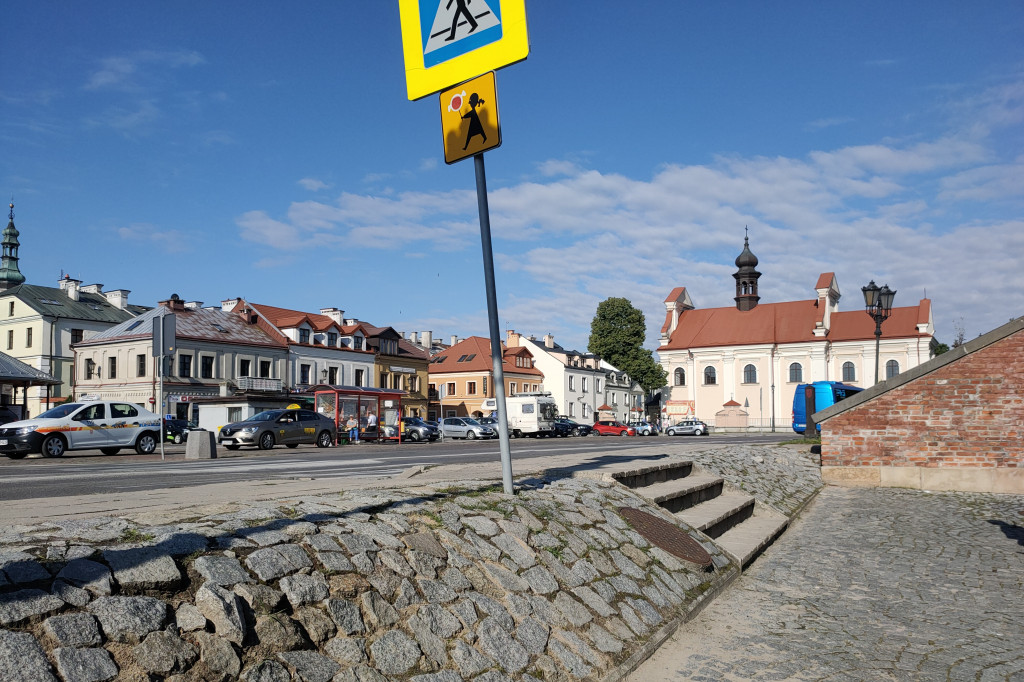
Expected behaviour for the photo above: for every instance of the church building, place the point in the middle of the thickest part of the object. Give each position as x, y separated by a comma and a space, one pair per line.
753, 356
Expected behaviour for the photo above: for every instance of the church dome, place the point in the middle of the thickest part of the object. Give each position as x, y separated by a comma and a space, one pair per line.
746, 259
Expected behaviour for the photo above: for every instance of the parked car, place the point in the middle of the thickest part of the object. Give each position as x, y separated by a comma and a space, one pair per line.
104, 425
644, 428
571, 428
176, 430
417, 430
688, 427
465, 427
291, 427
612, 428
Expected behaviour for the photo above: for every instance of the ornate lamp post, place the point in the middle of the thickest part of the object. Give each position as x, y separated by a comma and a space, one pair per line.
878, 305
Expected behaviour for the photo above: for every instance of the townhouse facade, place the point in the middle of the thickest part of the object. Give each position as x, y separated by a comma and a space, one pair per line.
462, 377
575, 379
755, 355
623, 397
216, 353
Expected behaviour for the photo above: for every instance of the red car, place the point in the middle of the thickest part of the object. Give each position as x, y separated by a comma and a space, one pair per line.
612, 429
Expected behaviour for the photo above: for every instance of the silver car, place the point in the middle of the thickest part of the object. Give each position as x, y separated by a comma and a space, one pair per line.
290, 427
465, 427
688, 427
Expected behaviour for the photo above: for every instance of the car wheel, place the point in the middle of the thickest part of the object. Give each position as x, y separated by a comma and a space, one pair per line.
177, 439
145, 444
110, 451
266, 441
54, 446
471, 435
324, 440
624, 433
232, 447
414, 436
698, 432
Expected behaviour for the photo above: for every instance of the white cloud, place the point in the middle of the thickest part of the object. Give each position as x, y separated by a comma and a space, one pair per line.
124, 72
167, 241
312, 184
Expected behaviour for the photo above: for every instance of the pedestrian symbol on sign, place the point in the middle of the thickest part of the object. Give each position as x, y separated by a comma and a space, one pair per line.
459, 26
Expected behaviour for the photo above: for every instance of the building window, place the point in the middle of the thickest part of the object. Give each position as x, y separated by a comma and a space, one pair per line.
90, 369
245, 368
615, 398
450, 388
485, 386
597, 385
234, 414
512, 388
332, 376
28, 337
796, 373
264, 369
332, 339
359, 377
414, 384
77, 335
140, 365
572, 383
750, 374
586, 410
303, 374
184, 366
10, 309
206, 366
358, 342
892, 368
572, 409
679, 376
583, 384
849, 372
710, 377
471, 388
111, 368
303, 336
10, 339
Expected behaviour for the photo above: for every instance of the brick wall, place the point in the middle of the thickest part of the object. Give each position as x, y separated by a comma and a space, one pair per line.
968, 413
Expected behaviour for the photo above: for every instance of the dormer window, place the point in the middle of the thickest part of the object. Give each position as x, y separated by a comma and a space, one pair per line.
303, 336
358, 341
332, 339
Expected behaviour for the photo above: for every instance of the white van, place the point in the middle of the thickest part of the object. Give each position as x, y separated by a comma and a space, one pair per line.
529, 414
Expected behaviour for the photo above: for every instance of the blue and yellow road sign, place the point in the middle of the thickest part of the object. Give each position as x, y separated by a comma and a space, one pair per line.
450, 41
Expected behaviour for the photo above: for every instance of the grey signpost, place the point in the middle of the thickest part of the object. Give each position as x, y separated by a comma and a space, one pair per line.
164, 333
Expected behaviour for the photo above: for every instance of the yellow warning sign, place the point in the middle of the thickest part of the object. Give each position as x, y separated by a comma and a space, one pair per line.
469, 118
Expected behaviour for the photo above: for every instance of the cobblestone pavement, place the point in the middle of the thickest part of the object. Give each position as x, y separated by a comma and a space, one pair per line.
870, 584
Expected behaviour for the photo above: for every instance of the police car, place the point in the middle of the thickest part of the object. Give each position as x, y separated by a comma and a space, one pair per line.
107, 426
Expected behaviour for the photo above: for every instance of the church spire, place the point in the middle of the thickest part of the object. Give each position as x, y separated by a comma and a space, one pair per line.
10, 275
746, 277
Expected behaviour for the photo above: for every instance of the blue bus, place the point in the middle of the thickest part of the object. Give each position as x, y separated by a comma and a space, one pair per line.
826, 394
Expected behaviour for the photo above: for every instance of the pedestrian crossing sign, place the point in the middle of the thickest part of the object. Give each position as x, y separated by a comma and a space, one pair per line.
450, 41
469, 118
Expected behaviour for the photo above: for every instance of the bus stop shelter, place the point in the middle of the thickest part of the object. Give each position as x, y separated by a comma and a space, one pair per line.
375, 412
17, 374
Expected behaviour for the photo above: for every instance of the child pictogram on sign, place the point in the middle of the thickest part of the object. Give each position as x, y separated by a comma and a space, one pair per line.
475, 126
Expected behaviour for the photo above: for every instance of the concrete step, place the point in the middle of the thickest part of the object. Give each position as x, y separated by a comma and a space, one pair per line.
654, 473
716, 516
683, 493
747, 540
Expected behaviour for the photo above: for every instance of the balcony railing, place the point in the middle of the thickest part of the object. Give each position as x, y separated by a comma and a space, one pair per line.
260, 384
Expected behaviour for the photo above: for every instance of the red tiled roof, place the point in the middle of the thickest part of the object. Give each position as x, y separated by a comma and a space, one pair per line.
825, 280
480, 350
789, 322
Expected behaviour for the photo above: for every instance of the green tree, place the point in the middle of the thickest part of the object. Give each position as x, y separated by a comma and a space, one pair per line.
617, 334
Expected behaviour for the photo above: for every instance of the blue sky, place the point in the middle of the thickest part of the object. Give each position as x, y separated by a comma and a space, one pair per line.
268, 150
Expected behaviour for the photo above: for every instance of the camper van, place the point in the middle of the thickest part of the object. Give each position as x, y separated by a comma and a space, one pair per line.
826, 394
529, 414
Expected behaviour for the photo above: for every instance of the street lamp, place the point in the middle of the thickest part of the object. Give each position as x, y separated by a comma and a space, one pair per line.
878, 305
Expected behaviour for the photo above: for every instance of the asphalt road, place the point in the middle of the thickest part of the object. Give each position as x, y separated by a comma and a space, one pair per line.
90, 472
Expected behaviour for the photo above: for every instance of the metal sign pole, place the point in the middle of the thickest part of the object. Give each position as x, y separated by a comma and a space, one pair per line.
492, 319
160, 373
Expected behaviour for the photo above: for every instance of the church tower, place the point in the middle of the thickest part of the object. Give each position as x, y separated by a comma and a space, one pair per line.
10, 275
746, 277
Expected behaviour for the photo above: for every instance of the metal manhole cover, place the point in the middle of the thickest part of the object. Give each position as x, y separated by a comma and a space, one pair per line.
663, 534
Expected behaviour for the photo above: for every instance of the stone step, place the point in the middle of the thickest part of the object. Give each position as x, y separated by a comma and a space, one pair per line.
716, 516
748, 539
683, 493
650, 474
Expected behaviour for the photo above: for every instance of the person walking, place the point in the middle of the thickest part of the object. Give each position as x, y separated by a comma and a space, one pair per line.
460, 10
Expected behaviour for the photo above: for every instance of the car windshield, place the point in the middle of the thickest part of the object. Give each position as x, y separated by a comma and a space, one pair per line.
60, 411
471, 421
265, 416
414, 420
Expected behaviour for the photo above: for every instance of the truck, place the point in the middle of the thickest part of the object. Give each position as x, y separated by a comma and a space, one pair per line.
529, 414
826, 394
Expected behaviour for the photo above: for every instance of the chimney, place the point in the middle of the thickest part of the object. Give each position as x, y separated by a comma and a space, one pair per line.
71, 287
93, 289
549, 341
194, 305
118, 298
427, 339
174, 304
512, 338
335, 314
455, 339
412, 336
227, 305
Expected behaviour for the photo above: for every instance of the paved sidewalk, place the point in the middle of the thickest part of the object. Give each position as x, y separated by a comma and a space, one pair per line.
869, 584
